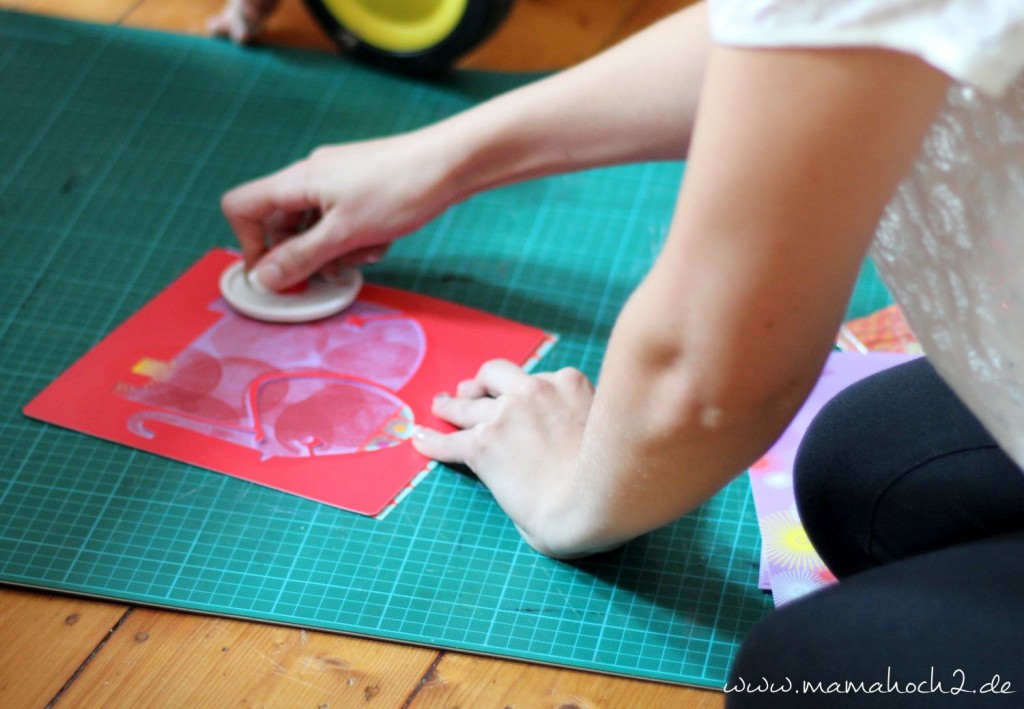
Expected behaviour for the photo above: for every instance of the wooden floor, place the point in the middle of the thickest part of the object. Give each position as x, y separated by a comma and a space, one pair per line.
58, 650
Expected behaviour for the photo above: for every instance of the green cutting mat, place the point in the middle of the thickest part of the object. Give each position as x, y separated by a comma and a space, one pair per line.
116, 145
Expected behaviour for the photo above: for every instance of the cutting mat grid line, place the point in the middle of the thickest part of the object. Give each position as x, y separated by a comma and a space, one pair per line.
119, 144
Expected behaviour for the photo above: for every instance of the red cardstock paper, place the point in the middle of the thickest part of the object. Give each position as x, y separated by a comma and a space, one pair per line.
322, 410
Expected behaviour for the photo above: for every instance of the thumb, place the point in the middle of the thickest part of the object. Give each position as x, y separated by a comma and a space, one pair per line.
248, 206
296, 259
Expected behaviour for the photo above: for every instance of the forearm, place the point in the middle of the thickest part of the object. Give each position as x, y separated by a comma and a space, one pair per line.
634, 102
720, 344
660, 439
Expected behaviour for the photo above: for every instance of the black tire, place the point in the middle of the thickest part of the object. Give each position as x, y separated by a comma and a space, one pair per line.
478, 22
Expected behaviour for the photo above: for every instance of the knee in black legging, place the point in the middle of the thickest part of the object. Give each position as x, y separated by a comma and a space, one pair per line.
831, 497
895, 466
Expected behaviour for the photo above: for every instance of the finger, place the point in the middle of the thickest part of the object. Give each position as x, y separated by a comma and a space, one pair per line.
234, 24
500, 376
568, 378
354, 259
217, 25
464, 413
470, 389
444, 447
241, 31
248, 206
284, 225
278, 226
363, 256
296, 259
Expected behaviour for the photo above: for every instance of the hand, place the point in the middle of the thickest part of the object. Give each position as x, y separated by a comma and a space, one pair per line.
342, 205
521, 434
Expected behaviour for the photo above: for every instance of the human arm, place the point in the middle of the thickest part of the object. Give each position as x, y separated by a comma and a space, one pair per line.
795, 154
634, 102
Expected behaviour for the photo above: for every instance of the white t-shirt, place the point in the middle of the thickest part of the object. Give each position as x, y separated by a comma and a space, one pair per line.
950, 245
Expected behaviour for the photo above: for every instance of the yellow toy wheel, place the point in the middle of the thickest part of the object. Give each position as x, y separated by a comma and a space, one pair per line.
413, 36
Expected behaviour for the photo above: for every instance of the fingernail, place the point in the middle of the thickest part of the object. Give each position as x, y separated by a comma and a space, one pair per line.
442, 396
266, 279
419, 432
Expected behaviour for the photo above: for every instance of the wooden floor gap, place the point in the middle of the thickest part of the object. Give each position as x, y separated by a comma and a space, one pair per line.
128, 12
427, 677
85, 663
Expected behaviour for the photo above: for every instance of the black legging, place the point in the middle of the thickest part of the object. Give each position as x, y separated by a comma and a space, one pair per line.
910, 502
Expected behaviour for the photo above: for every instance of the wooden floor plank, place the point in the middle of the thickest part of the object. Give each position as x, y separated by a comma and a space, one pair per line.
181, 660
105, 11
541, 35
466, 681
643, 14
44, 639
183, 17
